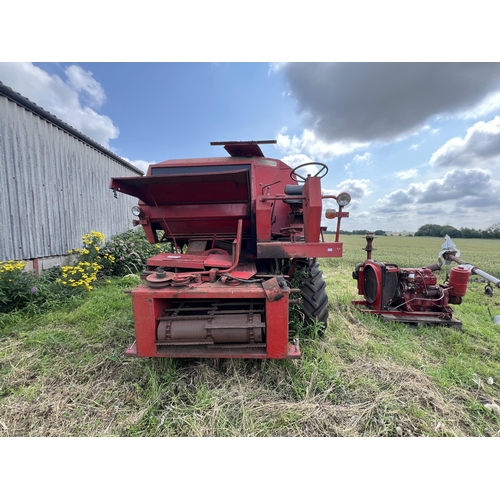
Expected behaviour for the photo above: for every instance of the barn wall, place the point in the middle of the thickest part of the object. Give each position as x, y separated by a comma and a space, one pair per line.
53, 188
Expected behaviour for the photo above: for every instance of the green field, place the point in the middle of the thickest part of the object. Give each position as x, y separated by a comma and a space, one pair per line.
421, 251
63, 373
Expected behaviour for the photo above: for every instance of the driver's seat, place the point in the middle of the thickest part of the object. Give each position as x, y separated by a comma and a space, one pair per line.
294, 190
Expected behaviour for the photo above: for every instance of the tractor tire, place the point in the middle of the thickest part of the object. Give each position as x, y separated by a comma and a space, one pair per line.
314, 302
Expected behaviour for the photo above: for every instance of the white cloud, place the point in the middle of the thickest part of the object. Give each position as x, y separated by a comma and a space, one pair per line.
458, 188
481, 143
365, 102
83, 81
295, 160
140, 164
462, 198
365, 158
414, 147
74, 101
370, 221
308, 144
488, 105
357, 188
406, 174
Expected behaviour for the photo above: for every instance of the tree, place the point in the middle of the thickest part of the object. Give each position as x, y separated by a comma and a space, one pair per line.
429, 230
451, 231
492, 232
437, 230
470, 233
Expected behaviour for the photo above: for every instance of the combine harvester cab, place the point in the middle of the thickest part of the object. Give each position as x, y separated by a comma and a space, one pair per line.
240, 227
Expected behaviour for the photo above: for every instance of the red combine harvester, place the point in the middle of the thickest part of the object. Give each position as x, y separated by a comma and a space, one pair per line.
240, 227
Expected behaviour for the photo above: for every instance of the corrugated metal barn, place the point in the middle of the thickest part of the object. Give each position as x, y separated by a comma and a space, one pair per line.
54, 184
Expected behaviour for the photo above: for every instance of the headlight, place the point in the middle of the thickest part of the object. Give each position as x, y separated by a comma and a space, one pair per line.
343, 199
136, 211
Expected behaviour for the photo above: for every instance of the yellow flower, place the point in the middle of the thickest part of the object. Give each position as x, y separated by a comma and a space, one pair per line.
12, 265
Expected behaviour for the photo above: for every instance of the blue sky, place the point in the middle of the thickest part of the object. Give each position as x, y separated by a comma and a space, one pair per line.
414, 143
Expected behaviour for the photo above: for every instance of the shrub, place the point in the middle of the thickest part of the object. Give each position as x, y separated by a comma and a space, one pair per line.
90, 261
15, 285
48, 290
80, 275
126, 253
123, 254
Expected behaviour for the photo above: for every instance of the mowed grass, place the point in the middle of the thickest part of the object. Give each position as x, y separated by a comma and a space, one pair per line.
63, 373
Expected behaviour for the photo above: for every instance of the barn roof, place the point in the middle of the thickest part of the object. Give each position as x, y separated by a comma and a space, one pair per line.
45, 115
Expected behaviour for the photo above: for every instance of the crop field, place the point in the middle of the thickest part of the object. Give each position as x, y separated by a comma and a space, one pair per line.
63, 372
421, 251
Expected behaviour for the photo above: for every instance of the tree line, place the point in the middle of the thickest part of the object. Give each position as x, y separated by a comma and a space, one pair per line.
362, 232
492, 232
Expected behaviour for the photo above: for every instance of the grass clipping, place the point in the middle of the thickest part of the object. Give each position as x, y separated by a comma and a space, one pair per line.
64, 373
338, 388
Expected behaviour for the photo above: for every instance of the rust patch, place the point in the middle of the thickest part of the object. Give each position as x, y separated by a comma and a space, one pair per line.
273, 290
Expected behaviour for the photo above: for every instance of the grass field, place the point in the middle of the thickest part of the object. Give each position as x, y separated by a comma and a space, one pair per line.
63, 372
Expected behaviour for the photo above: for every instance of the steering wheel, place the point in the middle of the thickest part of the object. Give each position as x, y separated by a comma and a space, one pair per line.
295, 176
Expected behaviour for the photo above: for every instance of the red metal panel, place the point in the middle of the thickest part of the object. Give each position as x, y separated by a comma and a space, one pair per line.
183, 261
159, 189
312, 209
244, 271
277, 327
270, 214
198, 262
278, 250
199, 212
204, 352
146, 310
202, 291
243, 149
219, 261
263, 220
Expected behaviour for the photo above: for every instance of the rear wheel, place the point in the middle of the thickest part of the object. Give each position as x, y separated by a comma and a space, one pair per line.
314, 304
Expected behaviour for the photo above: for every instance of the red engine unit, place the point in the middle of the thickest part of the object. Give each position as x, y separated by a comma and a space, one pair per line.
409, 295
239, 226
